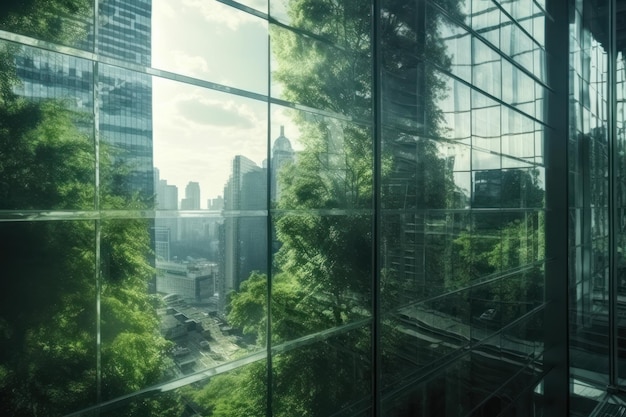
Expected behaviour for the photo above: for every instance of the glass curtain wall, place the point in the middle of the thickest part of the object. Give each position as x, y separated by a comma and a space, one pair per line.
589, 234
596, 203
283, 208
463, 198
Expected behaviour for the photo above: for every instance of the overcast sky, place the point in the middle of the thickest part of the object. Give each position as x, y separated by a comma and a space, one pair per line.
198, 131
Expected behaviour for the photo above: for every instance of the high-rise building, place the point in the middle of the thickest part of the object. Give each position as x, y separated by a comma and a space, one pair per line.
243, 239
192, 197
124, 97
166, 228
216, 203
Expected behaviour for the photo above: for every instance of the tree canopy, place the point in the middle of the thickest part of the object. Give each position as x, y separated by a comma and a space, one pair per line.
53, 269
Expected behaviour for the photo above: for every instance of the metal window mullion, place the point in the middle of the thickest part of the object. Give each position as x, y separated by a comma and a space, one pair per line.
97, 223
556, 331
377, 107
612, 197
269, 242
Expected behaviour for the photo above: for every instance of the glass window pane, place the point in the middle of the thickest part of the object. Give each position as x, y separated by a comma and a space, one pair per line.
322, 273
48, 316
197, 39
47, 135
334, 77
330, 377
68, 23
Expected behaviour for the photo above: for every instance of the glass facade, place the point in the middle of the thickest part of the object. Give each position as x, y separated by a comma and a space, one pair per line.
311, 208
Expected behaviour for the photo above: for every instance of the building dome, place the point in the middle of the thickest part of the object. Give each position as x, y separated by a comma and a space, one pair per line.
282, 144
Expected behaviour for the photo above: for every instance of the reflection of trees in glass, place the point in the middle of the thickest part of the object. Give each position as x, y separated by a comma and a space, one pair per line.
60, 21
493, 244
48, 346
323, 268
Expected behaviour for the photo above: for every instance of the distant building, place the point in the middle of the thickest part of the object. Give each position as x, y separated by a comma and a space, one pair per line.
243, 240
192, 197
194, 282
166, 228
216, 203
166, 194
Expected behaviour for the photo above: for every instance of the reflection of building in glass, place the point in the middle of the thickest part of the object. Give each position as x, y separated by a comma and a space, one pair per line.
243, 239
125, 30
125, 97
440, 277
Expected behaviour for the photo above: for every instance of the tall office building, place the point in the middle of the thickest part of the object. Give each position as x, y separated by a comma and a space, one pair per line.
243, 239
124, 97
166, 228
125, 114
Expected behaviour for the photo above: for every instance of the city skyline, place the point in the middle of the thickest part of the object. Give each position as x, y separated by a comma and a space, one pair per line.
282, 152
197, 132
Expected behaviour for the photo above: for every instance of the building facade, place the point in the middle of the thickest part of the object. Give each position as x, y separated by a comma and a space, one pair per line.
441, 235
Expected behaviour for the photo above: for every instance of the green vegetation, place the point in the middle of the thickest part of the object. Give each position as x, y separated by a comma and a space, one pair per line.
322, 272
49, 354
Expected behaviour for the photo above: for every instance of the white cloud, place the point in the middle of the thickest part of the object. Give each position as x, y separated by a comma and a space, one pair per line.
197, 132
194, 66
215, 12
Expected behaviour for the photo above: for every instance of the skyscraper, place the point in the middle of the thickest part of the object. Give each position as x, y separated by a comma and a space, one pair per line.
192, 197
124, 99
243, 240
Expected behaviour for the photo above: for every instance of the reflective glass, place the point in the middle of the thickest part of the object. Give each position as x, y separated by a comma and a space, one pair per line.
67, 23
189, 196
336, 77
589, 273
196, 39
486, 20
48, 317
319, 162
455, 106
322, 273
46, 142
468, 387
486, 68
125, 136
329, 377
125, 29
620, 189
457, 42
238, 392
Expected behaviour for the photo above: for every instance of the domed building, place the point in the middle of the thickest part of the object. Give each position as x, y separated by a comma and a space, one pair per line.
282, 154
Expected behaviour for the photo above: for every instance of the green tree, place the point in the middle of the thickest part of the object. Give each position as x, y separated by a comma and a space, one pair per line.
48, 320
48, 338
322, 276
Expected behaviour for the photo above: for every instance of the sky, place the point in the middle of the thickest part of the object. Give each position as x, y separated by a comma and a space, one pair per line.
198, 131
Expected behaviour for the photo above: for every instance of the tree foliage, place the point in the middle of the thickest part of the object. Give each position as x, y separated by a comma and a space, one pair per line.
48, 316
322, 271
